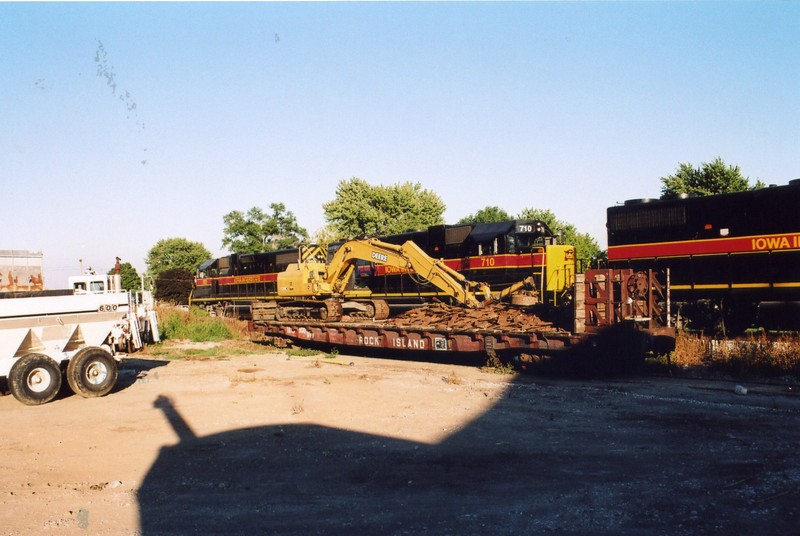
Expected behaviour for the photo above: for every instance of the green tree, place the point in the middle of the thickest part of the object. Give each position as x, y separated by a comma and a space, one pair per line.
708, 179
174, 285
362, 210
487, 215
128, 275
175, 253
259, 231
587, 249
325, 236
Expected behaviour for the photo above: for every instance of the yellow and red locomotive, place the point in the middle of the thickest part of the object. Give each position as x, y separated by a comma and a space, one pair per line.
498, 254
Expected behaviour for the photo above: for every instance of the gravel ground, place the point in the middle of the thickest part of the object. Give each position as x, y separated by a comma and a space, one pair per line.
262, 443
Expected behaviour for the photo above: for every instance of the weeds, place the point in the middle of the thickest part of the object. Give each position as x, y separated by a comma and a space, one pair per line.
690, 350
453, 378
301, 352
497, 366
197, 325
202, 351
757, 356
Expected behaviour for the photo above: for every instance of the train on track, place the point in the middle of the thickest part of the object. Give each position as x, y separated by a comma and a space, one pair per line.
498, 254
732, 260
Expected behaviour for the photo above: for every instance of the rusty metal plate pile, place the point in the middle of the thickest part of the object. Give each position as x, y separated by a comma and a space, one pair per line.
496, 316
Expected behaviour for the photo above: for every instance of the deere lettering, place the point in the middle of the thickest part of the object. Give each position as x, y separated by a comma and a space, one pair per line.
379, 257
775, 242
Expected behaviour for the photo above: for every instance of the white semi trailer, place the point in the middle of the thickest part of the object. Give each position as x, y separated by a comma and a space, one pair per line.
78, 333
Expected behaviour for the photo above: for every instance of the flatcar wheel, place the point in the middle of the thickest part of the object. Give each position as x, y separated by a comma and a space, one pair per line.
92, 372
34, 379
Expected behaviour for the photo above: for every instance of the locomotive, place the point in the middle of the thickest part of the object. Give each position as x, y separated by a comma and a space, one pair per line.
498, 254
733, 259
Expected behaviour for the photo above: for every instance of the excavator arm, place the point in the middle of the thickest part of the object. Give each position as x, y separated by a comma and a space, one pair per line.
408, 256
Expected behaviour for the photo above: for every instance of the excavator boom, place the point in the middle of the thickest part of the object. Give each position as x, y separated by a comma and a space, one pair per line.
313, 289
407, 256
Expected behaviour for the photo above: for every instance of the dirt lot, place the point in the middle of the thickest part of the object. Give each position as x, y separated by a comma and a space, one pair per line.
264, 444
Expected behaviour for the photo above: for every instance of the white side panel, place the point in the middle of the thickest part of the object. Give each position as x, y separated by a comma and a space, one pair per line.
52, 305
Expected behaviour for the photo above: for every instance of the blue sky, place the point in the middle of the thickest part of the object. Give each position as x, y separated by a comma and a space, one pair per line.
127, 123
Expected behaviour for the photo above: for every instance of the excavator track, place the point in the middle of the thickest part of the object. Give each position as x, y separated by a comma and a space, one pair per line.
320, 311
323, 311
366, 309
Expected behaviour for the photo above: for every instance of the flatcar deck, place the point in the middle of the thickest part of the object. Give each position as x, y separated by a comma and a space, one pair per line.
379, 335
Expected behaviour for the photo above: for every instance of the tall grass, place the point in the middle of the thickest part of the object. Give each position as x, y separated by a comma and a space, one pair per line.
757, 356
196, 325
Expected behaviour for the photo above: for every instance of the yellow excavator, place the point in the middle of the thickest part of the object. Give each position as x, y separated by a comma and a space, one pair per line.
315, 290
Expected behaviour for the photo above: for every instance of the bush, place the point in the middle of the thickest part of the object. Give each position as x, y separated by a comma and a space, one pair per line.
757, 356
195, 325
174, 286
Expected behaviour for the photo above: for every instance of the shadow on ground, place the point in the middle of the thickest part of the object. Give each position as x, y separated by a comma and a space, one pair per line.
580, 457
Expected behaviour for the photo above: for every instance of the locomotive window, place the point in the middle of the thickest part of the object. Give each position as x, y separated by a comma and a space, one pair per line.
526, 243
511, 244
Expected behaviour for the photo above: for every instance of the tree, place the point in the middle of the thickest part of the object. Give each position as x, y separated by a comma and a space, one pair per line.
174, 285
362, 210
259, 231
325, 236
128, 275
707, 179
586, 247
175, 253
487, 215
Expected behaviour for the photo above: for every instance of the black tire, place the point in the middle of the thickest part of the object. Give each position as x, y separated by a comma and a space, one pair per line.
92, 372
34, 379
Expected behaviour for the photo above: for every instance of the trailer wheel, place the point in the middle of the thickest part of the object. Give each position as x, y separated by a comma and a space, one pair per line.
34, 379
92, 372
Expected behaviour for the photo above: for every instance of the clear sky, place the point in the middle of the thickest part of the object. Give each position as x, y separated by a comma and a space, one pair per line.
126, 123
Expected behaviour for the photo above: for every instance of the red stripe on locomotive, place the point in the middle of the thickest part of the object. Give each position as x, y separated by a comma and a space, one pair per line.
477, 263
238, 279
744, 244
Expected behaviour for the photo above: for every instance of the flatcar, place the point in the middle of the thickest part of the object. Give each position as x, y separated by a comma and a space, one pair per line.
495, 253
733, 259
